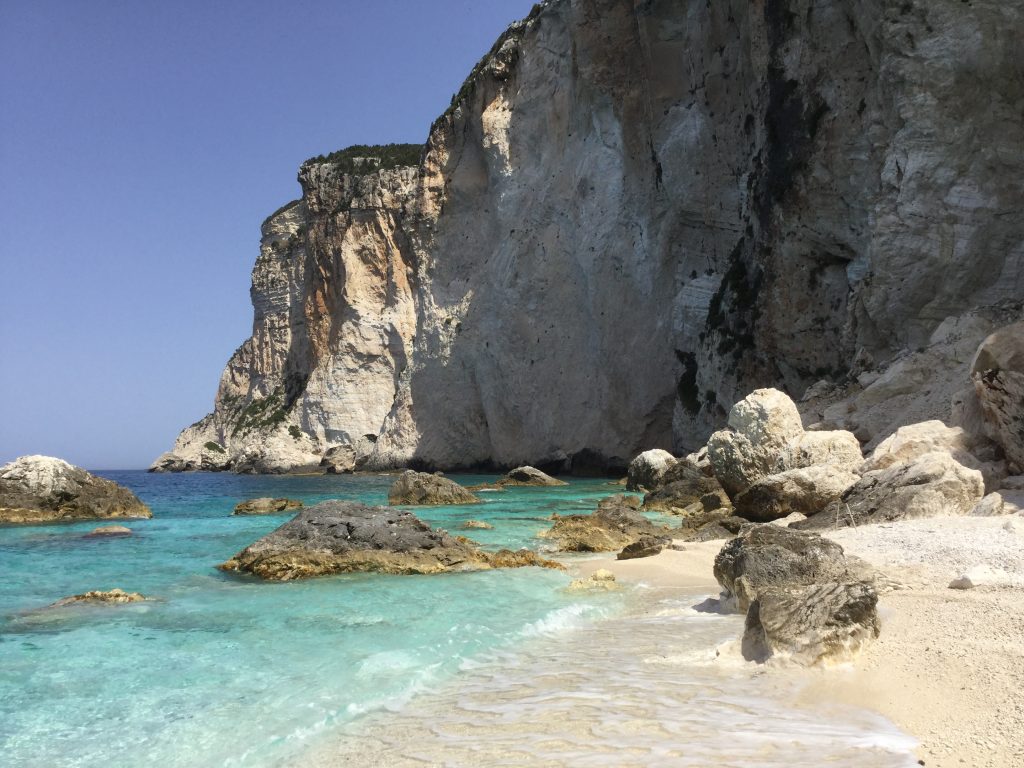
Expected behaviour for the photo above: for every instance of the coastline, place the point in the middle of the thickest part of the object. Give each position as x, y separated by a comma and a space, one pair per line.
948, 665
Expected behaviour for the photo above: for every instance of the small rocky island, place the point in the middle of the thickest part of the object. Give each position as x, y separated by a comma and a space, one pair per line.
348, 537
42, 489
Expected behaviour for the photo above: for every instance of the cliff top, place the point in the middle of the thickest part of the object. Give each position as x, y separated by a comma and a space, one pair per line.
360, 158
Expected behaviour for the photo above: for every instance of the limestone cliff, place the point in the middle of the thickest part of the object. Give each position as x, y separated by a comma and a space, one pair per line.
633, 213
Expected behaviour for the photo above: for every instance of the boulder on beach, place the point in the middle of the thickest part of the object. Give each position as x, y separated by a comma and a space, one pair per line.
646, 470
811, 624
645, 546
107, 531
528, 476
770, 556
423, 488
266, 506
42, 489
111, 597
807, 491
931, 485
766, 437
616, 523
348, 537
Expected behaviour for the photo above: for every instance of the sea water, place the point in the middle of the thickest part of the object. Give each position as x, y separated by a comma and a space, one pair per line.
218, 669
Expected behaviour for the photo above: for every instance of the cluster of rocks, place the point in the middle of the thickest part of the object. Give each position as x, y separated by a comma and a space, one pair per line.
42, 489
346, 537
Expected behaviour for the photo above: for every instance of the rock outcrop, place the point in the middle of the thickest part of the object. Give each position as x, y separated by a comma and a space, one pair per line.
779, 193
42, 489
421, 488
645, 546
681, 486
616, 523
346, 537
266, 506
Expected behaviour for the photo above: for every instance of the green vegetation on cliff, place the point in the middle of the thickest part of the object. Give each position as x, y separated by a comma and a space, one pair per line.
386, 156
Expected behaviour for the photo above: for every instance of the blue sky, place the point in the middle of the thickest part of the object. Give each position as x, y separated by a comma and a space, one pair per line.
141, 146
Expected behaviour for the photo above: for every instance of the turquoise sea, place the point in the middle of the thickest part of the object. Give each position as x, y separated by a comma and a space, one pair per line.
223, 670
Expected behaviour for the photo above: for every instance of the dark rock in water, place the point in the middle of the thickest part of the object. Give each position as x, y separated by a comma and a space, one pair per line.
266, 506
616, 523
348, 537
684, 484
42, 489
769, 556
114, 596
528, 476
421, 488
108, 531
828, 621
645, 546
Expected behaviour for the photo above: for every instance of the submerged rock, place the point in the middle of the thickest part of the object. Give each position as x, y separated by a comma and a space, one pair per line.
528, 476
616, 523
599, 581
422, 488
107, 531
811, 624
347, 537
266, 506
477, 524
114, 596
42, 489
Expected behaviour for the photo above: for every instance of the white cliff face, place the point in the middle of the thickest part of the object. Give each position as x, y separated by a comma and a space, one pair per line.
631, 216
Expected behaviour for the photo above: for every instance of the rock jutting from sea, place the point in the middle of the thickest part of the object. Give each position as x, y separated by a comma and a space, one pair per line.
833, 221
348, 537
43, 489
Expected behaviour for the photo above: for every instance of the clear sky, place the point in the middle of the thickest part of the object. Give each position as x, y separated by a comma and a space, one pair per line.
141, 146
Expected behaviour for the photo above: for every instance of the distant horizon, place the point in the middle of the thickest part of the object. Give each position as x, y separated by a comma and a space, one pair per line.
143, 147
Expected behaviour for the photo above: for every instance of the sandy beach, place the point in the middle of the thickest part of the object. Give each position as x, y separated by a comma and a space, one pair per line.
949, 664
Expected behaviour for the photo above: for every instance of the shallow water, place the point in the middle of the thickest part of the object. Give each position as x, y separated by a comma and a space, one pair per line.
221, 670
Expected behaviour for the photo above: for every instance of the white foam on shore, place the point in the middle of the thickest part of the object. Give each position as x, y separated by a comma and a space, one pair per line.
646, 689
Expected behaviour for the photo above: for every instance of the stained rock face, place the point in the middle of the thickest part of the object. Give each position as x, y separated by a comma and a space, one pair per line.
998, 376
616, 523
811, 624
42, 489
347, 537
266, 506
414, 488
528, 476
929, 486
467, 307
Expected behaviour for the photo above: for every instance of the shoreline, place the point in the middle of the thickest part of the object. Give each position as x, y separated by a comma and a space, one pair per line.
948, 664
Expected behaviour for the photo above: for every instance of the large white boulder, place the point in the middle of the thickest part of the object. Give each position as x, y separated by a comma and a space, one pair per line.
646, 471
